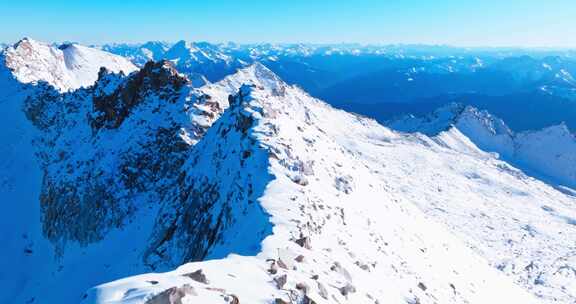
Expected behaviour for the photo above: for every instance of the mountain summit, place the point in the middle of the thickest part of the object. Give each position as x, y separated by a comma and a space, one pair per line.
67, 67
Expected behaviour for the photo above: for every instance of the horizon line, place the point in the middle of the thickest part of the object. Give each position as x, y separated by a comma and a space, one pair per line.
317, 44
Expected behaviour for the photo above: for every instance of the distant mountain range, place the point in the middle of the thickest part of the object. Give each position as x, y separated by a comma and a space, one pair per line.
388, 81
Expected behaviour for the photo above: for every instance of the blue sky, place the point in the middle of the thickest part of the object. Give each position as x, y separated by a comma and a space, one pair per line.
548, 23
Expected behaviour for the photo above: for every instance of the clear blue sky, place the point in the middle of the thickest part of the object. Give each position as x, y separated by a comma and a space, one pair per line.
549, 23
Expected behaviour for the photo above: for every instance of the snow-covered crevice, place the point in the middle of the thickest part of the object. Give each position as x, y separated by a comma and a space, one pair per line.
346, 227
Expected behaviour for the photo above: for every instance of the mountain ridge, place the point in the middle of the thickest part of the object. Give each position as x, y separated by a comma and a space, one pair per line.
547, 152
315, 207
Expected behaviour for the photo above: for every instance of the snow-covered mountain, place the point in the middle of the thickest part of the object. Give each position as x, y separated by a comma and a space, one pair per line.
100, 161
201, 62
384, 81
287, 200
549, 153
272, 195
67, 67
139, 54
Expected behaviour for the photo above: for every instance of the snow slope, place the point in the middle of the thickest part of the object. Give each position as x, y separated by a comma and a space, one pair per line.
549, 153
67, 67
287, 200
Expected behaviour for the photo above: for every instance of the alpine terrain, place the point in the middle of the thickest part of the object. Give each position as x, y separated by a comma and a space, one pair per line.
163, 185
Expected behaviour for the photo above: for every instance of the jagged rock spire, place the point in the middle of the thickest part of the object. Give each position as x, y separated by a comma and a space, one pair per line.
113, 107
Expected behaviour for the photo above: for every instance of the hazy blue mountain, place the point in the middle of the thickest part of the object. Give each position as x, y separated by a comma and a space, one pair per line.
388, 81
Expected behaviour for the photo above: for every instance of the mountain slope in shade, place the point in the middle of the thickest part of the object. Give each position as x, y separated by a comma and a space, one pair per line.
29, 261
70, 197
290, 201
67, 67
549, 153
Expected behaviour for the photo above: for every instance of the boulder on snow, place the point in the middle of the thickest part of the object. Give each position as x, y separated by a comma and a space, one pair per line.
173, 295
197, 276
304, 242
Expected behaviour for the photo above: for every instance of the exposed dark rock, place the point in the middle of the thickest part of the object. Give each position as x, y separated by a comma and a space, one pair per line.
300, 180
273, 267
234, 299
113, 108
347, 289
303, 287
173, 295
305, 242
197, 276
281, 281
341, 270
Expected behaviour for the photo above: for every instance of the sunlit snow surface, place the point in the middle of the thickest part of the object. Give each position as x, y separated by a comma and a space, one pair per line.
401, 218
548, 153
68, 67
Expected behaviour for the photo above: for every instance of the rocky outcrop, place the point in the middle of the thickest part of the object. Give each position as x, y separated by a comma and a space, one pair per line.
113, 107
130, 131
204, 208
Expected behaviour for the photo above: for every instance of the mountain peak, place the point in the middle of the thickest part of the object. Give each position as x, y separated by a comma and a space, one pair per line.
25, 41
66, 68
114, 102
257, 75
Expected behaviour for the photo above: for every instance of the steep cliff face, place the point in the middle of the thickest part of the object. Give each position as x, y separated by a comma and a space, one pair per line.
206, 214
32, 75
134, 134
103, 146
